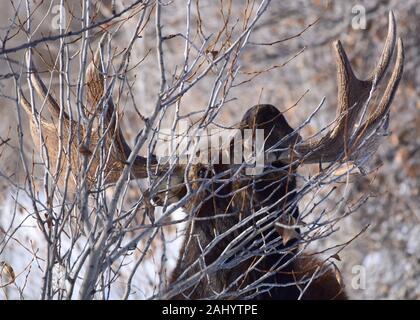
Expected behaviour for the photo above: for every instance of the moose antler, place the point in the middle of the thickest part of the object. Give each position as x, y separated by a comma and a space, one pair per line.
343, 140
114, 139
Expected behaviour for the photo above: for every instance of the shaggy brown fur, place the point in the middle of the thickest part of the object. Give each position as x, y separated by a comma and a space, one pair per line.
219, 205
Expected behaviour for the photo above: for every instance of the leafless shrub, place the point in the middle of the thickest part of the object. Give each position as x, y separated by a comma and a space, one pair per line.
104, 233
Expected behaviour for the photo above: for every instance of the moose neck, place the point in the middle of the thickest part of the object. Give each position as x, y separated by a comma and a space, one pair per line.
229, 247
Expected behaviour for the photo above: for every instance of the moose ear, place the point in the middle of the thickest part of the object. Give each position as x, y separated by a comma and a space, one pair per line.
278, 134
261, 116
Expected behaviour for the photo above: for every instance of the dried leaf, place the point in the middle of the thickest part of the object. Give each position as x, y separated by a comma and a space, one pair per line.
287, 234
347, 167
8, 271
338, 276
336, 257
50, 222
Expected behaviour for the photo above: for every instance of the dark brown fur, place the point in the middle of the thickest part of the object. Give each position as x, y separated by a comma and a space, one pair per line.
223, 199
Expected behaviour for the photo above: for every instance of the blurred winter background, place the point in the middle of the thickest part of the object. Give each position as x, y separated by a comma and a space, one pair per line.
299, 69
